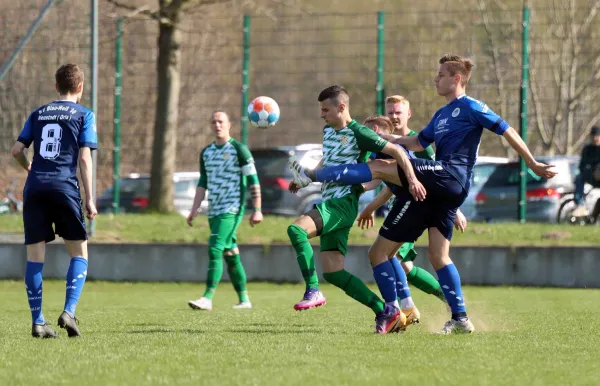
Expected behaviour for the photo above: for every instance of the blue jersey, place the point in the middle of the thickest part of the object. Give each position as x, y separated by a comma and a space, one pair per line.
456, 130
58, 130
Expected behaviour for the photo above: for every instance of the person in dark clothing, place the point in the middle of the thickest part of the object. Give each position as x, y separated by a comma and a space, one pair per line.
589, 171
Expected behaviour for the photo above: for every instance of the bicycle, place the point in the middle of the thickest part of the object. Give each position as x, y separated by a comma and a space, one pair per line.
568, 204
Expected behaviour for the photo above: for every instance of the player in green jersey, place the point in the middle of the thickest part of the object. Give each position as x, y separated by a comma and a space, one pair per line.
226, 170
344, 141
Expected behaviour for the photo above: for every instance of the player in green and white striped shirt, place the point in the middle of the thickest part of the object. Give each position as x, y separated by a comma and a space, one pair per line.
344, 141
226, 169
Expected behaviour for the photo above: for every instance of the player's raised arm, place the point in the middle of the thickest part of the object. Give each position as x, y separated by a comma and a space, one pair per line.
517, 143
416, 189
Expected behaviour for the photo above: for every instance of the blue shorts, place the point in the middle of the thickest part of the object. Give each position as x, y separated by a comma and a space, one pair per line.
43, 209
408, 219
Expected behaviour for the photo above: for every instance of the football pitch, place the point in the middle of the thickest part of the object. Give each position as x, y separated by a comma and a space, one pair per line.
138, 333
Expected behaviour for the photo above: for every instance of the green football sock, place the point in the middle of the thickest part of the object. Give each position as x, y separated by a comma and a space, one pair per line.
425, 281
356, 289
215, 271
304, 255
237, 274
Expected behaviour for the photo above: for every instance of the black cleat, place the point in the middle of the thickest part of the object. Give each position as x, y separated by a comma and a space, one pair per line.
69, 323
43, 331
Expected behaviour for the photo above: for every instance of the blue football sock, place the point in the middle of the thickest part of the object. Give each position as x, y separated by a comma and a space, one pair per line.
450, 282
351, 174
401, 281
33, 285
75, 281
386, 281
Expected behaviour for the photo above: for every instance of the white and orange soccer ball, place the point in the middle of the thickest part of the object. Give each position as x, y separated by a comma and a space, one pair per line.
263, 112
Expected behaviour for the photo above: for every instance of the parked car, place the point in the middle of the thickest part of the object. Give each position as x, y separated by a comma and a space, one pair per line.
135, 192
497, 200
275, 177
482, 170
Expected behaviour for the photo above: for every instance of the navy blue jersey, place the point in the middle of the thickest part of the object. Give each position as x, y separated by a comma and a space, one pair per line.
58, 130
456, 130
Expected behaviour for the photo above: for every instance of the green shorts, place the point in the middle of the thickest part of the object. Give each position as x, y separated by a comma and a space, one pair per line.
222, 230
338, 216
407, 252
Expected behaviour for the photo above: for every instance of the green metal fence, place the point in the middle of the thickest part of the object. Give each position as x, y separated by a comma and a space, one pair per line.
229, 58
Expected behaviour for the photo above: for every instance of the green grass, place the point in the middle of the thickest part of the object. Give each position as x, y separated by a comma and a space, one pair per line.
146, 334
173, 229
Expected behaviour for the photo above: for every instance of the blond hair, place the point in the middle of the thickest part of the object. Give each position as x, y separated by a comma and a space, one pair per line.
382, 121
397, 99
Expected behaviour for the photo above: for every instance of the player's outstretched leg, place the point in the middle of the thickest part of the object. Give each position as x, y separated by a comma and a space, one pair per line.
33, 286
76, 276
313, 297
407, 304
237, 274
349, 174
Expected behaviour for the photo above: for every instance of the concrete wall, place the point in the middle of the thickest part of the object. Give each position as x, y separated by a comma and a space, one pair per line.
561, 267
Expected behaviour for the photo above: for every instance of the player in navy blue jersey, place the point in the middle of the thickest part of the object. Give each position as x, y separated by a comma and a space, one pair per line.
63, 133
456, 130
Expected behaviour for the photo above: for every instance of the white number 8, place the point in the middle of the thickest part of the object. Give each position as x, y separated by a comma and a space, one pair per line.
51, 136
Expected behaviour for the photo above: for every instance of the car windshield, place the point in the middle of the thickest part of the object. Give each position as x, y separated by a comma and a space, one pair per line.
481, 173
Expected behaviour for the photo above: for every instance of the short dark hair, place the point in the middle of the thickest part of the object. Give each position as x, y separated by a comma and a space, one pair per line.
595, 131
68, 77
336, 93
456, 64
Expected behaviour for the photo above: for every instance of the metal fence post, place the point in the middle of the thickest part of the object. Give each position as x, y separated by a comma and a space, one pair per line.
380, 108
245, 79
523, 113
117, 120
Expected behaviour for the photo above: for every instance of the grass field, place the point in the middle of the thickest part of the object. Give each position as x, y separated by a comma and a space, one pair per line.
172, 228
146, 334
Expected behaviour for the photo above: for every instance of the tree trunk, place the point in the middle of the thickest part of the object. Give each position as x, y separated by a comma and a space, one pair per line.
165, 121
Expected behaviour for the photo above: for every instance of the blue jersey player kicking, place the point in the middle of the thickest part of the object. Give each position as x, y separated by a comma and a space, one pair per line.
456, 130
63, 133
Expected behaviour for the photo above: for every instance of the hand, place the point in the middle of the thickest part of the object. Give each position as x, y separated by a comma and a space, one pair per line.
366, 219
543, 170
91, 210
256, 218
191, 216
294, 188
460, 222
417, 190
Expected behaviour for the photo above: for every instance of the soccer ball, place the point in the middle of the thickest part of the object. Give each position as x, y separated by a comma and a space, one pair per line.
263, 112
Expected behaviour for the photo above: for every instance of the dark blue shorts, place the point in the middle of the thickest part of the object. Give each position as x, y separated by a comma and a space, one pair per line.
408, 219
45, 209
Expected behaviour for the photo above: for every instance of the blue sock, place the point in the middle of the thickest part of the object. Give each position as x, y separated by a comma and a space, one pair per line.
450, 282
386, 281
75, 281
401, 281
350, 174
33, 285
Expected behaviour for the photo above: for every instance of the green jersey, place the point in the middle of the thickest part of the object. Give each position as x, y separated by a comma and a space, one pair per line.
349, 145
223, 172
428, 153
